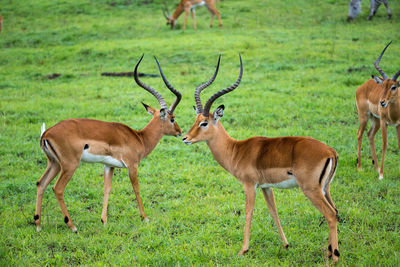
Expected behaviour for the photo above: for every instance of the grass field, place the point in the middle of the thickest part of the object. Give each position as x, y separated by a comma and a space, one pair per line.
302, 65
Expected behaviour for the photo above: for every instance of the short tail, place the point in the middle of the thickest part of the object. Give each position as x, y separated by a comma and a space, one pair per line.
42, 129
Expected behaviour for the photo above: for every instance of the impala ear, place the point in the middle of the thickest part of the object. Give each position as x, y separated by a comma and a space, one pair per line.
149, 109
377, 79
218, 113
163, 114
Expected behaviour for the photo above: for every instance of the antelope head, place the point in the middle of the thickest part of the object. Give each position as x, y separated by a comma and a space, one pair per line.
390, 86
165, 115
206, 125
168, 17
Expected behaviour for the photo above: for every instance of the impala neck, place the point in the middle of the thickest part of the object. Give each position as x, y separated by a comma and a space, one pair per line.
151, 135
177, 12
222, 147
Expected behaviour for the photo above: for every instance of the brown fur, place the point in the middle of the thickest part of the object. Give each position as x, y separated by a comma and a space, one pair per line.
261, 160
368, 100
186, 6
70, 137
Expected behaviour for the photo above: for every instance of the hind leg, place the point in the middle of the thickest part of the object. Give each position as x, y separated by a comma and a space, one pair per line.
363, 120
108, 174
269, 198
53, 168
59, 188
398, 135
321, 203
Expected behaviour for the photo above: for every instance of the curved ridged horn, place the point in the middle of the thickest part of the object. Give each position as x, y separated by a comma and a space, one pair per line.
203, 86
148, 88
166, 11
222, 92
172, 89
384, 76
395, 76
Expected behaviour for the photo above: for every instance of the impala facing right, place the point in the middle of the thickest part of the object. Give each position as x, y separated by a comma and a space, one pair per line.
282, 162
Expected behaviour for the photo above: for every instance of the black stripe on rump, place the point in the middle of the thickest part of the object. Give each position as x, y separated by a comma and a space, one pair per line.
52, 148
324, 170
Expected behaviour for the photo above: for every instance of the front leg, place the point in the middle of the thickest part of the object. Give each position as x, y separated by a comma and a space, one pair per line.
194, 18
398, 135
384, 146
186, 18
250, 192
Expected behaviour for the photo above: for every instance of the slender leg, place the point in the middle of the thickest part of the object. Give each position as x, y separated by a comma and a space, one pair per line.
53, 168
269, 198
329, 198
320, 202
250, 193
361, 128
194, 18
108, 174
186, 18
135, 184
385, 2
371, 137
59, 188
214, 11
384, 146
398, 135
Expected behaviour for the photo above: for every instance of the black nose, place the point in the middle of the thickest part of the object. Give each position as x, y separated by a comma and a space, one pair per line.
184, 138
382, 103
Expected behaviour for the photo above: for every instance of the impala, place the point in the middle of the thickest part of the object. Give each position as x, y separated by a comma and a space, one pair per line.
282, 162
113, 144
190, 5
378, 99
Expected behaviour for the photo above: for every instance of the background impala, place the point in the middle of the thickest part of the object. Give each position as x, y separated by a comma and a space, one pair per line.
190, 6
113, 144
282, 162
378, 99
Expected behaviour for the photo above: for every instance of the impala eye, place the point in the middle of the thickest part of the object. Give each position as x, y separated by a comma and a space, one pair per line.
172, 120
393, 88
204, 124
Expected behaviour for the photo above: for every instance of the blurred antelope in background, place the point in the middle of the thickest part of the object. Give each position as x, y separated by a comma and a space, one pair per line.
1, 22
115, 145
355, 8
190, 6
379, 100
281, 162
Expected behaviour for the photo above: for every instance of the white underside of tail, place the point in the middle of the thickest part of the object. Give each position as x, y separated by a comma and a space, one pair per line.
42, 129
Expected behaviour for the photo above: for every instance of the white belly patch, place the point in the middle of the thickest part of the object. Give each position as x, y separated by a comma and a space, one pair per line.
287, 184
106, 160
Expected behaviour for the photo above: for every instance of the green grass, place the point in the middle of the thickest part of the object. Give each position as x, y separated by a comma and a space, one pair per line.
296, 82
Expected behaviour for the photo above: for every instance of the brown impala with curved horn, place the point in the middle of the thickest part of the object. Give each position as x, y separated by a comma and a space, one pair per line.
379, 100
112, 144
190, 5
282, 162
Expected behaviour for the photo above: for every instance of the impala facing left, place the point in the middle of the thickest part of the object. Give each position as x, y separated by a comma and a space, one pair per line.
115, 145
281, 162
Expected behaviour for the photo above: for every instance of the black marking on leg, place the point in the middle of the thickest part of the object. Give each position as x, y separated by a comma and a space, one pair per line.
36, 217
37, 183
373, 162
336, 252
289, 173
286, 246
330, 248
86, 146
358, 161
324, 170
66, 220
102, 221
